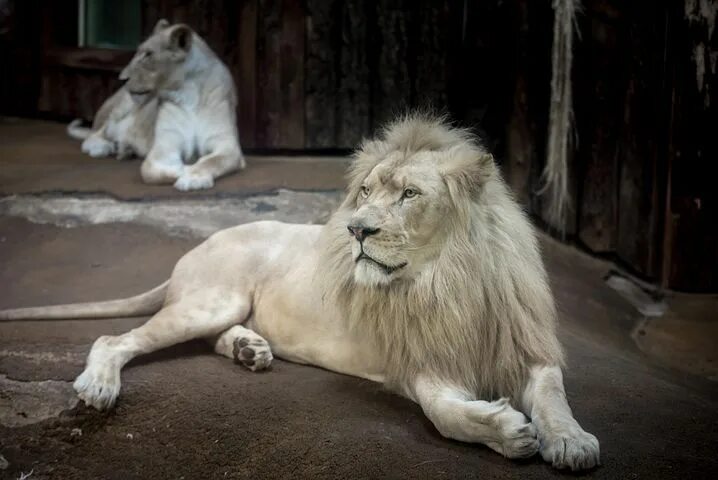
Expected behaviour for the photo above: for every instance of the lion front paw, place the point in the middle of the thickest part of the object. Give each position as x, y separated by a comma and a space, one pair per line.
518, 436
98, 386
252, 352
570, 447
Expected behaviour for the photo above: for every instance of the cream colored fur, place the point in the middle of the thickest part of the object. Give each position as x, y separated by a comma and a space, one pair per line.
196, 138
124, 126
428, 278
177, 112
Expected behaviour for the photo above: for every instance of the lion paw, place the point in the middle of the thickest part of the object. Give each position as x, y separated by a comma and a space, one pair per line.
98, 386
519, 437
570, 447
253, 353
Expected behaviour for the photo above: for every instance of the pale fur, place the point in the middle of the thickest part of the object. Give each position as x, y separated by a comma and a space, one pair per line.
196, 139
485, 296
448, 304
177, 112
123, 126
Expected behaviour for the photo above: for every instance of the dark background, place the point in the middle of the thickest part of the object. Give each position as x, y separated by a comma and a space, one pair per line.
319, 75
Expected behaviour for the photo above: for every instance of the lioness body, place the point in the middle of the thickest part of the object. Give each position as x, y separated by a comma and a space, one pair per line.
177, 111
123, 126
427, 278
195, 138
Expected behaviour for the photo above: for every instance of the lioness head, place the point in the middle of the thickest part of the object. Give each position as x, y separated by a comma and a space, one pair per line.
408, 194
157, 64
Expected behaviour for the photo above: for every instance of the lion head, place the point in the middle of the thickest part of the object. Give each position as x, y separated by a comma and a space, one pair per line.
159, 61
405, 193
430, 254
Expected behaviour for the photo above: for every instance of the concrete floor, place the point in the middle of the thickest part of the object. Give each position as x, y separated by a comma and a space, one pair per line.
187, 413
38, 157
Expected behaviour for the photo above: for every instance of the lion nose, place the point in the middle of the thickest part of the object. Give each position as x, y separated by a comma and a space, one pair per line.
360, 232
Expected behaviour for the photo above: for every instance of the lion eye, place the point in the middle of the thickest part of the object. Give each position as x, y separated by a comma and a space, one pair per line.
410, 193
364, 191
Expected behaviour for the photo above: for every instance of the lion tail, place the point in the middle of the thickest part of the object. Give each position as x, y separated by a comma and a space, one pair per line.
77, 131
145, 303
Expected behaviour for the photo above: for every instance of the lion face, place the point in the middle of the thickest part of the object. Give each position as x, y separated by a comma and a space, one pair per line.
395, 229
158, 63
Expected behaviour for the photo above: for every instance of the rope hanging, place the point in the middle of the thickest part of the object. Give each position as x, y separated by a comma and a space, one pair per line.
554, 179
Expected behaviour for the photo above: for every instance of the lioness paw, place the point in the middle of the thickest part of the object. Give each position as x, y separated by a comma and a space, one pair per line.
570, 447
252, 352
98, 147
193, 181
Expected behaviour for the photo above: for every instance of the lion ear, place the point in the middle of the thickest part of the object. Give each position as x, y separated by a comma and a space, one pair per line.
125, 73
467, 170
487, 168
180, 37
161, 24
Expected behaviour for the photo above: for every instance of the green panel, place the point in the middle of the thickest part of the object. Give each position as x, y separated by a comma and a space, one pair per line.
113, 23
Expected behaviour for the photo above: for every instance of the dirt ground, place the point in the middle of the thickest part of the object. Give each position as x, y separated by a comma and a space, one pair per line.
188, 413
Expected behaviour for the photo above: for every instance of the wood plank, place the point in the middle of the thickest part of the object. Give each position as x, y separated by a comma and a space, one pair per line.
353, 114
337, 79
520, 139
181, 14
268, 75
643, 143
599, 101
151, 13
81, 58
390, 81
280, 79
538, 66
481, 90
20, 47
292, 75
430, 60
244, 70
691, 233
321, 76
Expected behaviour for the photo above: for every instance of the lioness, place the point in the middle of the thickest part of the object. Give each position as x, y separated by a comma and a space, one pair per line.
125, 123
195, 118
428, 278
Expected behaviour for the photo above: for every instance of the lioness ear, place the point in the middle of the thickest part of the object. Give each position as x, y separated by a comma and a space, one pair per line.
181, 37
161, 24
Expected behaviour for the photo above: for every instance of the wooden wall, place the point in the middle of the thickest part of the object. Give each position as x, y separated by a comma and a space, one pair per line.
311, 74
643, 172
690, 256
19, 47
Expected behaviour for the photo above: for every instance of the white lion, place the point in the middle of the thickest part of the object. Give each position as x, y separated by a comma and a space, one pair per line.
428, 278
178, 106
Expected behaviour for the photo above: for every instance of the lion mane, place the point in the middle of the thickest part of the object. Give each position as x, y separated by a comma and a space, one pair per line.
480, 314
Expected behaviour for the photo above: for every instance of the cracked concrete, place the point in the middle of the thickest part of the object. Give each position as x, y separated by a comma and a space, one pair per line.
174, 216
25, 403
